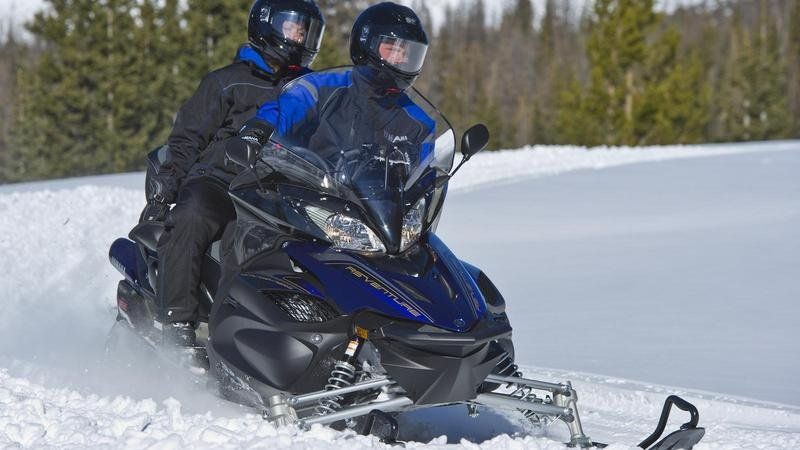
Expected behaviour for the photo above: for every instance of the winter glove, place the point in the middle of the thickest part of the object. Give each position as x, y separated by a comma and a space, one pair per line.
154, 212
161, 188
161, 184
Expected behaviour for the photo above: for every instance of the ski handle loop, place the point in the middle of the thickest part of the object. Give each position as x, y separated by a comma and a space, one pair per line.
662, 421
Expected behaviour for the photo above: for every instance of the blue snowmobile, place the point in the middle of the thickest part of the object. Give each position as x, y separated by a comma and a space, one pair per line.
335, 301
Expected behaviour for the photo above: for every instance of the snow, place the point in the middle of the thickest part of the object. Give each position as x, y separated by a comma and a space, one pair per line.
700, 257
509, 166
672, 265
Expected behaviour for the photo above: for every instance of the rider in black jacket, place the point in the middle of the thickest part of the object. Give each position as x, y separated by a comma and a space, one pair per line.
191, 170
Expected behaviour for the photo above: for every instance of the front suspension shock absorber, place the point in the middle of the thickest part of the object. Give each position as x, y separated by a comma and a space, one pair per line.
507, 368
342, 375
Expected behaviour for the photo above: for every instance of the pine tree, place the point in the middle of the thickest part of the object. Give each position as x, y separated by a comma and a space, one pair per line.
214, 30
156, 54
104, 90
639, 92
339, 17
448, 86
549, 75
10, 55
675, 101
66, 117
476, 23
753, 98
793, 65
617, 47
519, 18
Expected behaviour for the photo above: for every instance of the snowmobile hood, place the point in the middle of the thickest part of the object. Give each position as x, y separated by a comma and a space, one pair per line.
430, 287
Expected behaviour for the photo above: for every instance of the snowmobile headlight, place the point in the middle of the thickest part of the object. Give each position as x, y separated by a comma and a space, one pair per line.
412, 225
345, 232
352, 234
318, 215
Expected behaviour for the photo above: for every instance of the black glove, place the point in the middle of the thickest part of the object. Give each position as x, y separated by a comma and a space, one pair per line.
161, 184
154, 212
257, 131
161, 188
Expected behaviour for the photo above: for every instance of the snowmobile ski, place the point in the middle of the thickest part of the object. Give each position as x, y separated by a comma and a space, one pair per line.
685, 438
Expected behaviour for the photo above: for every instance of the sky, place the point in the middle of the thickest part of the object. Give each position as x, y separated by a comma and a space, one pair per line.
18, 10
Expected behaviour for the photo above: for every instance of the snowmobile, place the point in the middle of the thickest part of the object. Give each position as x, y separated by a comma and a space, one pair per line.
345, 307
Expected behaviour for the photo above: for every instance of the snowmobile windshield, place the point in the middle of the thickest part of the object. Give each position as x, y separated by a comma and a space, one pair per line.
384, 153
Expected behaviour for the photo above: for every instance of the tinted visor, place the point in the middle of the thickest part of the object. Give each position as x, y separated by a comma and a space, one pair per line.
298, 28
402, 54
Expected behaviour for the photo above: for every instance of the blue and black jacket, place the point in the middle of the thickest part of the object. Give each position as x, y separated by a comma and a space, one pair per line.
224, 101
325, 110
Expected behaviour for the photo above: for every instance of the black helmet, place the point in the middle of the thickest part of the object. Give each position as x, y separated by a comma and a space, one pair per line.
388, 39
286, 32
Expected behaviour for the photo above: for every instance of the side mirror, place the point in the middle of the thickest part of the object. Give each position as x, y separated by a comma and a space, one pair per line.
241, 152
243, 149
474, 140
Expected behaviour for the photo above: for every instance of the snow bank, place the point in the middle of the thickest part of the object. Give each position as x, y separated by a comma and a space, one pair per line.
507, 166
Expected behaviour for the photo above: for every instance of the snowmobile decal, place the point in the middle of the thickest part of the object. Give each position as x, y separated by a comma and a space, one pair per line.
386, 291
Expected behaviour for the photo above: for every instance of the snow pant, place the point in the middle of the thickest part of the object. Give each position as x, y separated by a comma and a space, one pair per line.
202, 210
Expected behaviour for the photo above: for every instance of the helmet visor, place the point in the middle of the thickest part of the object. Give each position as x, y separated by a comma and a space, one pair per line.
402, 54
298, 28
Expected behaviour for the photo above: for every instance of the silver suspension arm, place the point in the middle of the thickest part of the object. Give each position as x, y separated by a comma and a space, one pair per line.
300, 400
564, 405
502, 401
541, 385
395, 404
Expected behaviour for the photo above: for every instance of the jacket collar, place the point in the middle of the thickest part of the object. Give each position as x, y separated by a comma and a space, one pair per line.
248, 54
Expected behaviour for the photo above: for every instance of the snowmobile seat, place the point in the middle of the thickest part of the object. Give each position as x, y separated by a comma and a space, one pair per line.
147, 234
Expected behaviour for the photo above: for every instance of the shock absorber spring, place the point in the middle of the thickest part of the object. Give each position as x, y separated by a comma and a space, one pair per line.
506, 367
342, 375
526, 393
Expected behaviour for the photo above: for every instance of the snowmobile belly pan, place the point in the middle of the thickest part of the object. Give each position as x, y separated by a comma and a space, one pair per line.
253, 335
436, 366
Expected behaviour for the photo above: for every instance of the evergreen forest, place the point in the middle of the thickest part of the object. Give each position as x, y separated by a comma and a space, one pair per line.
94, 84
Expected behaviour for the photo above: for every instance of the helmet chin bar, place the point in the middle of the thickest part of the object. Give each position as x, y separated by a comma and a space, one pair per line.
383, 78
